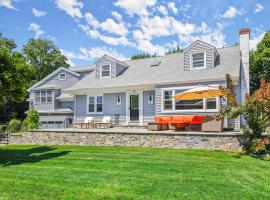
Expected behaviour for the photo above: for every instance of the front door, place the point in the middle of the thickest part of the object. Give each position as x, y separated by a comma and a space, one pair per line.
134, 107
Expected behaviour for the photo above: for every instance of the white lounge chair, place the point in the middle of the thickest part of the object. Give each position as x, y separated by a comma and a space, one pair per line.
86, 122
106, 122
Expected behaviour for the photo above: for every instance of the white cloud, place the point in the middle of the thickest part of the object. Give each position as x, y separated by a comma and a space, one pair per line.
70, 55
148, 47
71, 7
36, 28
212, 36
97, 52
255, 40
117, 16
258, 8
138, 7
91, 20
232, 12
111, 26
163, 10
95, 34
38, 13
7, 4
171, 5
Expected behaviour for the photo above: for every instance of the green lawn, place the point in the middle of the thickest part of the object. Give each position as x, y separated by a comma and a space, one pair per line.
73, 172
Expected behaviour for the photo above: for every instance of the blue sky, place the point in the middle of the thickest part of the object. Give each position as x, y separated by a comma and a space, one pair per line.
86, 29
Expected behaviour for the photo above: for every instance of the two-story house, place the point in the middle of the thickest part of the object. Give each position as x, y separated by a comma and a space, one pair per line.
135, 91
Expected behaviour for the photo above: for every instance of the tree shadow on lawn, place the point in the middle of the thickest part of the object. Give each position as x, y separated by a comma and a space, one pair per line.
19, 156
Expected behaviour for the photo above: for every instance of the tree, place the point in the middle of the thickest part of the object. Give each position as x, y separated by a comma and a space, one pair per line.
142, 56
260, 63
176, 50
15, 73
44, 56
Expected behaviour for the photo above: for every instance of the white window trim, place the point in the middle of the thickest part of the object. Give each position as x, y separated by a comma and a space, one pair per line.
101, 66
120, 102
62, 79
40, 102
95, 104
185, 111
191, 60
148, 101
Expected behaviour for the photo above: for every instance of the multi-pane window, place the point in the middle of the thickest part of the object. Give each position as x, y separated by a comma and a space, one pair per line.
95, 104
118, 100
150, 98
44, 96
91, 104
196, 104
169, 104
106, 71
168, 100
211, 103
99, 104
37, 96
198, 60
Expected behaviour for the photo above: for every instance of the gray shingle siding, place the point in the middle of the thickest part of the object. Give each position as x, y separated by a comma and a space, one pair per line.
148, 109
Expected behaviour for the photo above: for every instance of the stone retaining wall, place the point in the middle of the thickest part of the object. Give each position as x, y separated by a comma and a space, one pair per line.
218, 141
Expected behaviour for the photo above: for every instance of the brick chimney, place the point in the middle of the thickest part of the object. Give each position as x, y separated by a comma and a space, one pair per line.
244, 50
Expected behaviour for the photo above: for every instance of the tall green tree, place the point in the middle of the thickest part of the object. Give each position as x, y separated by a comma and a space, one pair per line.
15, 77
260, 63
15, 73
44, 56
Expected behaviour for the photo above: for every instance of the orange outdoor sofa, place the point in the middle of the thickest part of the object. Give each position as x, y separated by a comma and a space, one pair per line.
180, 121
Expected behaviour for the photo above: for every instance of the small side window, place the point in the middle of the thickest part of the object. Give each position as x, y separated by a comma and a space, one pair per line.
150, 98
118, 100
62, 76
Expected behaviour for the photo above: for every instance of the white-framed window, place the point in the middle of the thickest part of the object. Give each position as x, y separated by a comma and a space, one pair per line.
118, 100
150, 99
198, 60
44, 96
171, 105
105, 71
167, 100
37, 96
62, 76
94, 104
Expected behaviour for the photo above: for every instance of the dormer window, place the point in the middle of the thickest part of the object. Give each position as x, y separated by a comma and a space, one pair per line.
105, 71
62, 76
198, 60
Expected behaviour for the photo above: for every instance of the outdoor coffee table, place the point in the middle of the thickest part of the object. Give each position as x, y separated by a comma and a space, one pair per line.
179, 126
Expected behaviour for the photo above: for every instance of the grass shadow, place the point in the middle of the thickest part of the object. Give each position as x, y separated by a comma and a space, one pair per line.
10, 157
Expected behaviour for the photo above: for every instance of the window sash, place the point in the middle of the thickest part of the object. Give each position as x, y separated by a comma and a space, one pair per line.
95, 104
169, 104
62, 76
105, 71
198, 60
37, 97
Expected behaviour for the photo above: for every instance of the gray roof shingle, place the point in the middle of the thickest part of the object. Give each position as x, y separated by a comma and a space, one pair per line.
170, 70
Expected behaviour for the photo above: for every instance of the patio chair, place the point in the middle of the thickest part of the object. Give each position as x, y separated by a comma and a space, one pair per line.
86, 122
106, 122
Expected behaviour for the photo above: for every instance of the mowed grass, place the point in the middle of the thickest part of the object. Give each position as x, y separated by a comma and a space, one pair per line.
75, 172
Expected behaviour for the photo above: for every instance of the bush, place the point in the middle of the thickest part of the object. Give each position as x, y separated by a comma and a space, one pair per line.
31, 121
256, 112
13, 126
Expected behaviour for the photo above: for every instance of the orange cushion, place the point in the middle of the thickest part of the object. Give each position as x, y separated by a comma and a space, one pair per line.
198, 119
163, 119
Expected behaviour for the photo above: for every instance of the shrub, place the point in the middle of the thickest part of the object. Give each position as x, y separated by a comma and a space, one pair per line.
13, 126
256, 112
31, 121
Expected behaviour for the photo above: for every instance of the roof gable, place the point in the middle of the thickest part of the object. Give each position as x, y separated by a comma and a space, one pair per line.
53, 74
203, 43
106, 56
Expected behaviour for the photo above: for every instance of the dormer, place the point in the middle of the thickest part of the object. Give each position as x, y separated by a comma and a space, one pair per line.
109, 67
200, 55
